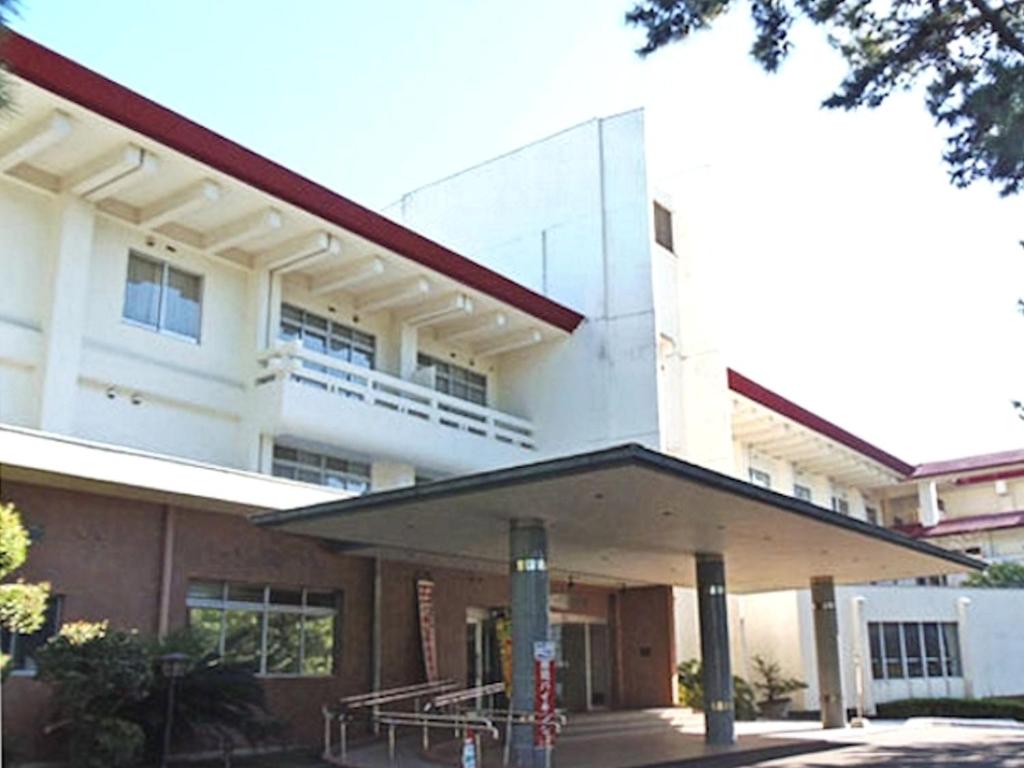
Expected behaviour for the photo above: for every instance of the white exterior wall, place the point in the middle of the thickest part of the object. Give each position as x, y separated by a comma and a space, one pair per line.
568, 218
992, 649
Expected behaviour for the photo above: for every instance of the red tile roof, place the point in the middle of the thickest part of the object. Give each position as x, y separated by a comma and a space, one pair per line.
740, 384
70, 80
961, 525
969, 464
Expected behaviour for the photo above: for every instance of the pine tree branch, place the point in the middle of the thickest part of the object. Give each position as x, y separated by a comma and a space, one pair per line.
995, 20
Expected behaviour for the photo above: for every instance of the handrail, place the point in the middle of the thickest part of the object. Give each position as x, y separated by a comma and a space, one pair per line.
466, 694
464, 723
292, 360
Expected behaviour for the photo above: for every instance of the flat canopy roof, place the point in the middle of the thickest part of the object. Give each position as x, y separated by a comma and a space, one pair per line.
625, 515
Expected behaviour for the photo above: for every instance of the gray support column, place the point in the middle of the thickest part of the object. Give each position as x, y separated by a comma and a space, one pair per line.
528, 552
826, 645
714, 650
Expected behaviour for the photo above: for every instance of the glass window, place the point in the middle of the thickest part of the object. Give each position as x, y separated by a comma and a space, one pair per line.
932, 652
928, 649
912, 648
840, 505
271, 630
321, 469
871, 514
327, 337
760, 477
951, 649
893, 651
455, 380
803, 492
163, 297
663, 226
877, 659
22, 648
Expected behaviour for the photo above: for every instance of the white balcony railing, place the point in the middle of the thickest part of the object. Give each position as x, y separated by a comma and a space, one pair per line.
290, 361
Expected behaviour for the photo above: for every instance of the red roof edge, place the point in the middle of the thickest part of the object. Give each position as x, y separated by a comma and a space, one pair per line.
72, 81
751, 389
958, 525
970, 463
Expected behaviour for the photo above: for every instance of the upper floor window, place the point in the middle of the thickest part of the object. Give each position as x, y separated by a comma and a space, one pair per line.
914, 649
162, 297
455, 380
760, 477
802, 492
321, 469
21, 648
663, 227
871, 513
318, 334
271, 630
840, 505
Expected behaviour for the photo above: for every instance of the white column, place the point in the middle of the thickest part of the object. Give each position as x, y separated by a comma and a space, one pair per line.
928, 502
264, 317
65, 315
408, 347
962, 604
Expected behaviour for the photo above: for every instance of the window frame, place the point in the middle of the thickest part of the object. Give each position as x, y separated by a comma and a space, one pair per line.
669, 221
444, 369
342, 333
265, 609
948, 661
803, 492
165, 270
759, 477
322, 468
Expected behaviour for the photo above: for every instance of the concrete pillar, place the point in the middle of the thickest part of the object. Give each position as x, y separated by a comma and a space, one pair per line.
966, 666
528, 552
714, 650
826, 644
928, 502
65, 317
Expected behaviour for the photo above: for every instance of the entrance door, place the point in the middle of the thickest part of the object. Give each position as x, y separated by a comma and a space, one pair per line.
584, 665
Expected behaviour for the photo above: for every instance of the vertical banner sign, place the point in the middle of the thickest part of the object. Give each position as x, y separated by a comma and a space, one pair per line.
544, 693
503, 629
428, 628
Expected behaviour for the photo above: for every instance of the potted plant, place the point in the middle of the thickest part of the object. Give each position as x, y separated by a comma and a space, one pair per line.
774, 687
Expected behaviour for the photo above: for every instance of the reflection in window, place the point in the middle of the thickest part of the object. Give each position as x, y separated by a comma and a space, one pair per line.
321, 469
270, 630
162, 297
455, 380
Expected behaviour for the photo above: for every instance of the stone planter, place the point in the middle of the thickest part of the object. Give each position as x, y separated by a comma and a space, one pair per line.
775, 709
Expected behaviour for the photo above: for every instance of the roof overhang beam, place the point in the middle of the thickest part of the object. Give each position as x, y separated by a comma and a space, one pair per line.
348, 277
298, 253
244, 229
397, 294
192, 198
111, 172
34, 139
437, 311
473, 328
509, 343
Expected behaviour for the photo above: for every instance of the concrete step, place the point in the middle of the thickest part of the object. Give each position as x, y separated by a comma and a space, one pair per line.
590, 724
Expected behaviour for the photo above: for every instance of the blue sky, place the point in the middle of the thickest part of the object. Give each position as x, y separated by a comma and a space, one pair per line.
850, 276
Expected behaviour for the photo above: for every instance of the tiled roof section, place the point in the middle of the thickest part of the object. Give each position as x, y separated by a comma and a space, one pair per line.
961, 525
969, 464
750, 389
70, 80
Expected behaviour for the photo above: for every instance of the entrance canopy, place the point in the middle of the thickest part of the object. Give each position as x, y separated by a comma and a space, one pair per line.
626, 515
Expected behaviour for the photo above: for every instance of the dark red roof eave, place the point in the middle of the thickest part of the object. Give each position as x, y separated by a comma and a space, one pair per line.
741, 385
964, 525
70, 80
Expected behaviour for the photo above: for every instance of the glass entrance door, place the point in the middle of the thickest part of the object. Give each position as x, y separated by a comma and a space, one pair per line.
584, 665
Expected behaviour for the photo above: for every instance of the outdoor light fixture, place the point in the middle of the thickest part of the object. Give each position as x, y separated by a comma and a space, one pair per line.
172, 666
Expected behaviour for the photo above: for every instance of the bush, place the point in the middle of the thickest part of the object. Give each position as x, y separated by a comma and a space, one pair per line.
98, 676
691, 691
771, 681
1012, 709
111, 699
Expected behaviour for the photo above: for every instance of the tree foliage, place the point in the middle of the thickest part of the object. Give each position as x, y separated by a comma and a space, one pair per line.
968, 53
771, 682
998, 575
22, 606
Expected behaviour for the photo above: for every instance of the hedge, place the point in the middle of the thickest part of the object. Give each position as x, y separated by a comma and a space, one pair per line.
1001, 708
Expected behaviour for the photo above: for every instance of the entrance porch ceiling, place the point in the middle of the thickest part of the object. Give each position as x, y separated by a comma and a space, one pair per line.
624, 515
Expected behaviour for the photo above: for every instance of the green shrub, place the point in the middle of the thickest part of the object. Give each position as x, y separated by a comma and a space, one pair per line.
111, 698
1001, 708
770, 681
691, 691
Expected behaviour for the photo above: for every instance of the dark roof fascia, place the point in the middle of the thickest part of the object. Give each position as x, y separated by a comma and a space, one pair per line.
631, 454
76, 83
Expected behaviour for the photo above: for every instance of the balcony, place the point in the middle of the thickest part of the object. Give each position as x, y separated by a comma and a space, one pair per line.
312, 396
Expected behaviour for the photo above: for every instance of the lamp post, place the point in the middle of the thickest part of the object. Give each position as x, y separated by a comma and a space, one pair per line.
172, 666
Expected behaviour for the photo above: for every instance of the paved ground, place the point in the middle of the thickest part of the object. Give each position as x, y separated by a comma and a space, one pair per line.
920, 745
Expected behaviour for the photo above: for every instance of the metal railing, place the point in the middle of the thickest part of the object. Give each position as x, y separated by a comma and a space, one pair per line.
460, 724
344, 709
290, 361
